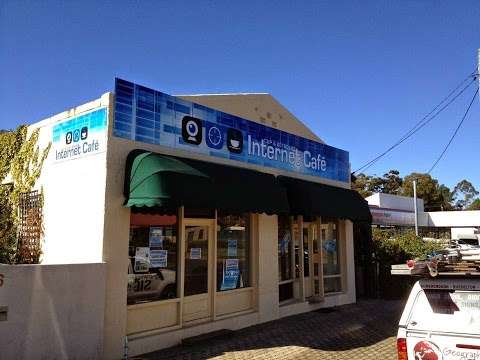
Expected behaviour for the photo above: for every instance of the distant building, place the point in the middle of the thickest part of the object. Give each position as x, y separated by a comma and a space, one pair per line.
398, 211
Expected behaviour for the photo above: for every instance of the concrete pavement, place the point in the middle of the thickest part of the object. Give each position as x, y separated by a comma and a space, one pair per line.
365, 330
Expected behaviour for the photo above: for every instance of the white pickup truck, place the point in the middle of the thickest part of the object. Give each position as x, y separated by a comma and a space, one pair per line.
441, 320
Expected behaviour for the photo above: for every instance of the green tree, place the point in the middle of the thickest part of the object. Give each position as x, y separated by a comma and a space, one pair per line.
389, 183
475, 205
361, 184
434, 195
392, 182
464, 193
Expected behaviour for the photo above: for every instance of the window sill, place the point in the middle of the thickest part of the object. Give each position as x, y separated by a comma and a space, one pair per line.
233, 291
332, 276
234, 314
290, 302
152, 303
334, 293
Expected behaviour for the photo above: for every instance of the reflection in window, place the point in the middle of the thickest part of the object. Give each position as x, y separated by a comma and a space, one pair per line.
233, 251
196, 260
331, 256
306, 258
152, 258
296, 244
285, 248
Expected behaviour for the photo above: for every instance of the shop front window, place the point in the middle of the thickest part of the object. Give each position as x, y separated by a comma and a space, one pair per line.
152, 258
331, 256
233, 251
285, 246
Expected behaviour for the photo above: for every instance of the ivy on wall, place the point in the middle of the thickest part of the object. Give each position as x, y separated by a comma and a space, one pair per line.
22, 160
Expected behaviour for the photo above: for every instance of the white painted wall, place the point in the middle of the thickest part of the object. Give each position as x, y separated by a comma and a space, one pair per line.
54, 311
396, 202
458, 232
74, 193
453, 218
267, 268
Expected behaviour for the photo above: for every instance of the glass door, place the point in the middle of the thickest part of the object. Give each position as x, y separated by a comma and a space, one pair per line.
197, 302
316, 260
307, 246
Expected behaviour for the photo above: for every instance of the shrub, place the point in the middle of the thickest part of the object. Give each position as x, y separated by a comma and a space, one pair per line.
390, 248
394, 248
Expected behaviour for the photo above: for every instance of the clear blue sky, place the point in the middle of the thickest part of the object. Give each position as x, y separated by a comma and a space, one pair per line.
359, 73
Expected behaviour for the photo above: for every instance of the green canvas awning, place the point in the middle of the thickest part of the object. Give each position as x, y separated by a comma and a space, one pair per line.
155, 182
314, 199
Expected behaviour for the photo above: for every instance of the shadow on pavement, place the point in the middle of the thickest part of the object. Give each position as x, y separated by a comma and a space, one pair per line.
345, 328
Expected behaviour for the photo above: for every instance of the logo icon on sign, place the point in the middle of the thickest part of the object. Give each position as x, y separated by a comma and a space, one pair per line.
84, 133
76, 135
214, 136
68, 137
234, 141
192, 130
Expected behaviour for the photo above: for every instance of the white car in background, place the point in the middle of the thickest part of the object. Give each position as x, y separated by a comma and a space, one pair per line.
151, 286
441, 320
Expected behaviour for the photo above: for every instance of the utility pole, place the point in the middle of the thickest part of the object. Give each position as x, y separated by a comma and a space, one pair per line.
478, 68
415, 205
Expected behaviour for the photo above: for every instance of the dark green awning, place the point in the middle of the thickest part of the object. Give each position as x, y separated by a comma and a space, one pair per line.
154, 180
313, 199
161, 181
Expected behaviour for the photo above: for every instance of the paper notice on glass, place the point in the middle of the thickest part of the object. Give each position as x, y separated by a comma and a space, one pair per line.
158, 258
195, 253
156, 237
232, 248
231, 264
330, 246
142, 259
231, 273
284, 243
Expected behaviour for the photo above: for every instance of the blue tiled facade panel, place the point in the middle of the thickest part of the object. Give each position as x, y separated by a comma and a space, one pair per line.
150, 116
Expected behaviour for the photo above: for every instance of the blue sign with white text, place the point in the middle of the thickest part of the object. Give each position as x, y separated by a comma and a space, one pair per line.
80, 136
150, 116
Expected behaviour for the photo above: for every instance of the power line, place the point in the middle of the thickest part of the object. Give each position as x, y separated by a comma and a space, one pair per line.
424, 121
419, 127
454, 133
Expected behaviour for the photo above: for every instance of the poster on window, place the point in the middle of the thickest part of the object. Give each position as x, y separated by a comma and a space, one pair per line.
231, 273
330, 246
195, 253
232, 248
158, 258
142, 259
156, 237
284, 243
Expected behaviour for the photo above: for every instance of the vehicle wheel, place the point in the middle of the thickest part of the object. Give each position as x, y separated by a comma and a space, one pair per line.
169, 292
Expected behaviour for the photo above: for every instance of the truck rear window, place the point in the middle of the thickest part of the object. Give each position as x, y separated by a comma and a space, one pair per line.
446, 311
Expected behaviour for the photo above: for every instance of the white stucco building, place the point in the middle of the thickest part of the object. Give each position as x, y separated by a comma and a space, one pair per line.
196, 219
